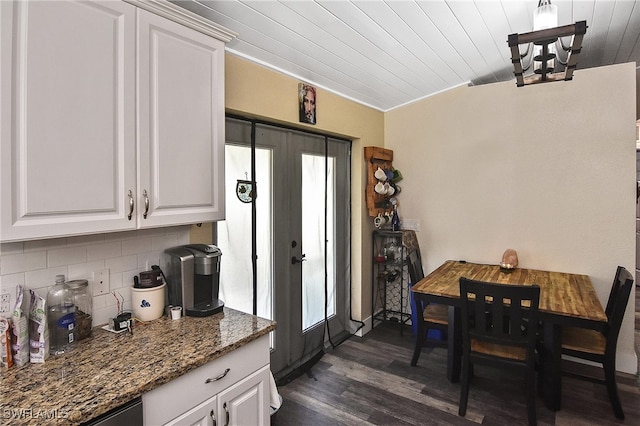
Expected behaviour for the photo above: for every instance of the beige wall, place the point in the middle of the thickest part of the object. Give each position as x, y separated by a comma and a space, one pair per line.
257, 92
548, 170
638, 93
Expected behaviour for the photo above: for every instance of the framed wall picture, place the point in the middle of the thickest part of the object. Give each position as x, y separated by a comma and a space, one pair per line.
307, 103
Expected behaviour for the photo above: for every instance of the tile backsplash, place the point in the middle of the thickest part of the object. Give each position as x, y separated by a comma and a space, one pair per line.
34, 264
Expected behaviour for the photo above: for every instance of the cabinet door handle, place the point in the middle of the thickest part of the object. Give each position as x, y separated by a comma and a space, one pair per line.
213, 417
220, 377
226, 414
130, 204
146, 203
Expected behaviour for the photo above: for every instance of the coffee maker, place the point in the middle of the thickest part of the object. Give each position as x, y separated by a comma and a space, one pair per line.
192, 273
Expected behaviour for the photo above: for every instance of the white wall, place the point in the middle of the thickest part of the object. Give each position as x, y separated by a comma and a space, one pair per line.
34, 264
548, 170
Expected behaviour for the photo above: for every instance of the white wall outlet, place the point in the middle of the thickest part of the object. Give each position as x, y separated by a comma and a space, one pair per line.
100, 282
5, 303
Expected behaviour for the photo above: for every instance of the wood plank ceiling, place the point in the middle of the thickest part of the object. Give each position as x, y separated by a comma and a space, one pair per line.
385, 54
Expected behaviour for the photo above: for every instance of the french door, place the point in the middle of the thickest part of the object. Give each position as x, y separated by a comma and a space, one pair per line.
295, 225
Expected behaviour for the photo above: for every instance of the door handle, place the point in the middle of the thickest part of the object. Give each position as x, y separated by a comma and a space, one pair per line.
146, 204
295, 260
220, 377
130, 205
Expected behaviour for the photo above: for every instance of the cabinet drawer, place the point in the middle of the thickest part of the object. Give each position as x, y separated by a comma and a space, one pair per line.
178, 396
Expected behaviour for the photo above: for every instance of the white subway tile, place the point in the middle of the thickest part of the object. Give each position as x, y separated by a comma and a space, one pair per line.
102, 316
85, 270
34, 264
120, 236
11, 248
45, 278
115, 281
127, 278
10, 264
165, 241
52, 243
152, 232
121, 264
124, 296
147, 260
66, 256
101, 301
11, 281
85, 240
183, 239
104, 251
42, 292
8, 284
134, 246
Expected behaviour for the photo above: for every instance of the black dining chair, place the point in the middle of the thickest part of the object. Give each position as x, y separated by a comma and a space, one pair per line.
494, 319
435, 316
599, 346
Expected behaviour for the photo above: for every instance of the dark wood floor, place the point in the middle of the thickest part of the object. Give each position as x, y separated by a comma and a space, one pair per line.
369, 381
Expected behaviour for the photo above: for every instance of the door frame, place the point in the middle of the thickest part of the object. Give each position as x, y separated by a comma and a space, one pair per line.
282, 255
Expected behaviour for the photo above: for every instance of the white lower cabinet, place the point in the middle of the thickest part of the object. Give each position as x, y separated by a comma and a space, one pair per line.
242, 404
205, 414
231, 390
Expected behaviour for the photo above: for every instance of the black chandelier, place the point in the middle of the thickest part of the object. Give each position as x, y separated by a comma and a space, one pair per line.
545, 50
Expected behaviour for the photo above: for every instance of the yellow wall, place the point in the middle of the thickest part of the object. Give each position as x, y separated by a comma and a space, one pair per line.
257, 92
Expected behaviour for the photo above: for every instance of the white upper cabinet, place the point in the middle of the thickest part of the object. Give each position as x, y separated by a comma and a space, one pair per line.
67, 115
111, 118
180, 124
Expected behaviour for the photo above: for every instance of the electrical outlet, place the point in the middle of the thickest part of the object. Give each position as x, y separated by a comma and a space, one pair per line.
5, 303
100, 282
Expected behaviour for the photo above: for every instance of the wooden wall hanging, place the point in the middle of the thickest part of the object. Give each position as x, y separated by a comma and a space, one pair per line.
376, 157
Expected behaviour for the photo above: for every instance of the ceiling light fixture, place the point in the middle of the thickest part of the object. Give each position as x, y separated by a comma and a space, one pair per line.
544, 17
545, 48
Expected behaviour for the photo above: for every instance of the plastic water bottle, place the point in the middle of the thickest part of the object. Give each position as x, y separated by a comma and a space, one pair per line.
61, 317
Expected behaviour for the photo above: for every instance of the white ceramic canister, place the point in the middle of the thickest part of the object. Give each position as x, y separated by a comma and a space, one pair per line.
148, 303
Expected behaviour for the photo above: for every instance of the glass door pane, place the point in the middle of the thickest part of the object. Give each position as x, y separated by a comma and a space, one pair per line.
293, 222
234, 235
314, 235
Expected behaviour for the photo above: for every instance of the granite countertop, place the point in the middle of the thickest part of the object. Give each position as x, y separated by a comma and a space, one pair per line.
107, 370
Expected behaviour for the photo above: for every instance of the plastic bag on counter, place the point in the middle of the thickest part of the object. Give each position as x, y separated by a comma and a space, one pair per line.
5, 343
20, 329
38, 330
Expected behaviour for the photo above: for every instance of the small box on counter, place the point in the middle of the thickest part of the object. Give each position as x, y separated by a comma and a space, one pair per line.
122, 321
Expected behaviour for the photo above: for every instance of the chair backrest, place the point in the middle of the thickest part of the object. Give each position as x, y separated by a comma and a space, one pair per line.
614, 291
494, 313
623, 285
414, 265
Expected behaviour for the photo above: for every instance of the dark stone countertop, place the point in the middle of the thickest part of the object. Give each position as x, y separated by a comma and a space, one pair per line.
107, 370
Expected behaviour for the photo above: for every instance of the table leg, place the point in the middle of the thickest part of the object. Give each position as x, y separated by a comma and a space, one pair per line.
420, 330
454, 345
552, 365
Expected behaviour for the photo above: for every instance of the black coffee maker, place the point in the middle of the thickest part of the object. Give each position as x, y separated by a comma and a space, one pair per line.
193, 278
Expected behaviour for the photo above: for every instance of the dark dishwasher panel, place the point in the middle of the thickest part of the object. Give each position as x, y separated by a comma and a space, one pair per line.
129, 414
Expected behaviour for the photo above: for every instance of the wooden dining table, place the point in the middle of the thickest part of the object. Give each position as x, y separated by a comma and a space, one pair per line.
565, 300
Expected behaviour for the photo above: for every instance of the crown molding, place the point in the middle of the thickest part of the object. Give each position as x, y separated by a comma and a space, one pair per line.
185, 17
